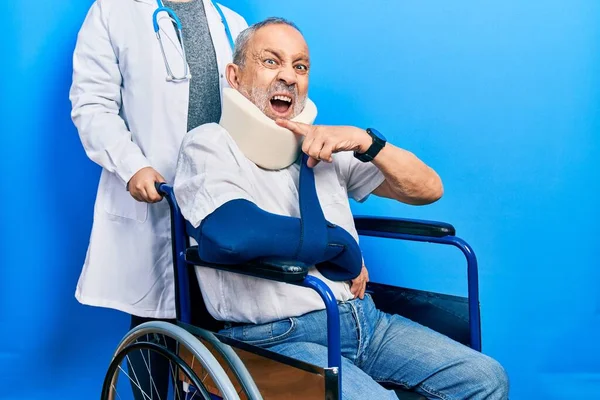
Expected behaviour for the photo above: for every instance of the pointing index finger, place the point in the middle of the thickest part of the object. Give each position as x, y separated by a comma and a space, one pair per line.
296, 127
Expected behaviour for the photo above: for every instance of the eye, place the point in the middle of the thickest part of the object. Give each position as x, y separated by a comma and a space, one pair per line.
270, 61
301, 67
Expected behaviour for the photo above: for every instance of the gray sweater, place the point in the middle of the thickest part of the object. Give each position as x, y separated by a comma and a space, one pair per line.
205, 99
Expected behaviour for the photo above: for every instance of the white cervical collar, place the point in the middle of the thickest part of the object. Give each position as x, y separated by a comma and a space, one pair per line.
261, 140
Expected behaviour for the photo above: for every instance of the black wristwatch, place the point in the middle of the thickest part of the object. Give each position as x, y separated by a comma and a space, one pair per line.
378, 144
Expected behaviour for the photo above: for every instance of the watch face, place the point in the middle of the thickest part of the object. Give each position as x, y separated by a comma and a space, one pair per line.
377, 133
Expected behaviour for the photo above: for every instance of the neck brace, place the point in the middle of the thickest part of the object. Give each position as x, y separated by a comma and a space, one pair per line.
261, 140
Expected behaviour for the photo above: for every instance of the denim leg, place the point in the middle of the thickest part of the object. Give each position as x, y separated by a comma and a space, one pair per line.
311, 327
379, 347
356, 384
305, 338
403, 352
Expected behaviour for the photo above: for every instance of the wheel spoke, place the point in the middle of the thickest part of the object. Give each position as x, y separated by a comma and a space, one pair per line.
115, 389
135, 383
175, 380
151, 377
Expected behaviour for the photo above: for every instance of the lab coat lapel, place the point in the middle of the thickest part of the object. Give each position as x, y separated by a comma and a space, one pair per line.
221, 45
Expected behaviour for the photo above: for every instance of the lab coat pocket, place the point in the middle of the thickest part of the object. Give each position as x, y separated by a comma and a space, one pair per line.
118, 201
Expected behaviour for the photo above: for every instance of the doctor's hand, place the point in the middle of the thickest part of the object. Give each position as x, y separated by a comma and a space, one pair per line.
141, 185
321, 141
359, 284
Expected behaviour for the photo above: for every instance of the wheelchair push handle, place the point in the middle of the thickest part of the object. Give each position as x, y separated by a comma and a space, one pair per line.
159, 186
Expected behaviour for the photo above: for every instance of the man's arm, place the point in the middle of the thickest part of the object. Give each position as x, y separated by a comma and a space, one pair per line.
215, 197
239, 231
407, 178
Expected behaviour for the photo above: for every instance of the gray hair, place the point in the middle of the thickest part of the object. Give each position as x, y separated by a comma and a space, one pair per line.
241, 42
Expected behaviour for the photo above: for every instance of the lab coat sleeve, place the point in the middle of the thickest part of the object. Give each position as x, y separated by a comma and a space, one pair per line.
96, 99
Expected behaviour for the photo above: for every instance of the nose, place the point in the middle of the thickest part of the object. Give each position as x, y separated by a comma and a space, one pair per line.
287, 75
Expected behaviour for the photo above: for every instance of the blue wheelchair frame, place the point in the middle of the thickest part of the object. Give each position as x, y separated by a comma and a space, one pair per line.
393, 228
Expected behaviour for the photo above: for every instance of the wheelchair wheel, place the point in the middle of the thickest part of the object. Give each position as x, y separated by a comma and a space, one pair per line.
188, 370
233, 362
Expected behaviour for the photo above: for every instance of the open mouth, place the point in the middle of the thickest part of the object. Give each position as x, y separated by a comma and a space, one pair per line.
281, 104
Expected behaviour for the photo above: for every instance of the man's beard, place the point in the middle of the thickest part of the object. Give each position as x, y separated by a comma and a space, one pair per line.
261, 97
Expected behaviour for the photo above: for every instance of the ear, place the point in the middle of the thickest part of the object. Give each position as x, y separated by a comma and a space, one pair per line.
232, 73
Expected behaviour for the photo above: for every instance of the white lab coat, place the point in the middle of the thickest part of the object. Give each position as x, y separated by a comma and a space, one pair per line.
129, 117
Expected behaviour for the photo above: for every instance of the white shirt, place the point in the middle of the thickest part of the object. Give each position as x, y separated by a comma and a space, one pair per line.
212, 170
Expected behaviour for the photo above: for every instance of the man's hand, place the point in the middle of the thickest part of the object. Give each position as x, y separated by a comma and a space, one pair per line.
359, 284
321, 141
141, 186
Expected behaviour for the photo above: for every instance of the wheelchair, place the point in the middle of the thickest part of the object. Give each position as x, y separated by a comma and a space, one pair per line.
205, 365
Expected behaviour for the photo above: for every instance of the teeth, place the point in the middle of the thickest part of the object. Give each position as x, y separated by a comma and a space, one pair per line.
283, 98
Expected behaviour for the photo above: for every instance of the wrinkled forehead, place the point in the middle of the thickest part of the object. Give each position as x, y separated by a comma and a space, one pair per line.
282, 40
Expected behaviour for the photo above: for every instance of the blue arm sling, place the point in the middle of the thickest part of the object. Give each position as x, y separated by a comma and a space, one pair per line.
239, 231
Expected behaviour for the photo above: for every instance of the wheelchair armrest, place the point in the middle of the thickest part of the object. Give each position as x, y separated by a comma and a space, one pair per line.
274, 270
415, 227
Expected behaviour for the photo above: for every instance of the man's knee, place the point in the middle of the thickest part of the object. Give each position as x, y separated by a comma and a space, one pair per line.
493, 380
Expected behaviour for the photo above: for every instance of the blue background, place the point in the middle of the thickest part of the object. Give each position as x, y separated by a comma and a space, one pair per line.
502, 98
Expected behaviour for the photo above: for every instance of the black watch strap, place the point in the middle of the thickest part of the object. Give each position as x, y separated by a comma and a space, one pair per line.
374, 149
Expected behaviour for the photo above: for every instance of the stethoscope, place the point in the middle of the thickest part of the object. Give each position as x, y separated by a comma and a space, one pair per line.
186, 74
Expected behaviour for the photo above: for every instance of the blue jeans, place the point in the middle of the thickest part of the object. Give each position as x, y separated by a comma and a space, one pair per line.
383, 348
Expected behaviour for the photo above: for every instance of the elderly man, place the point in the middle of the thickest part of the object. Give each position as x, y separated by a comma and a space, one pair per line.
216, 177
